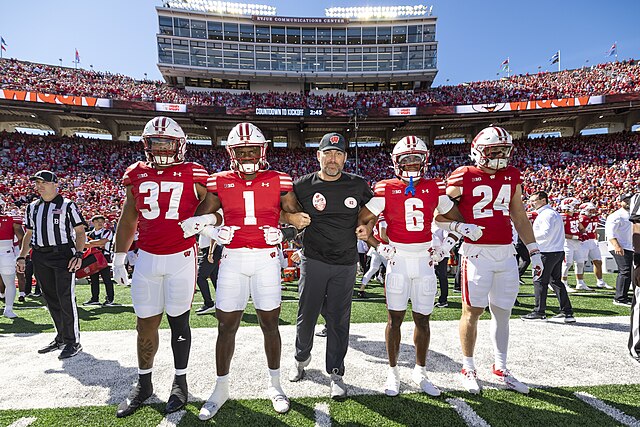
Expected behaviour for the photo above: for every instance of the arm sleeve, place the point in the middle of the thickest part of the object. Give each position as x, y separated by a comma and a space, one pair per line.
376, 205
445, 204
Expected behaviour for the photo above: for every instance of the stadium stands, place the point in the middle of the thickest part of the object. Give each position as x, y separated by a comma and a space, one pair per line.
601, 79
90, 170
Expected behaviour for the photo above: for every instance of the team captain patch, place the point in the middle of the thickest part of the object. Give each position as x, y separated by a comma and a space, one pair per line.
319, 202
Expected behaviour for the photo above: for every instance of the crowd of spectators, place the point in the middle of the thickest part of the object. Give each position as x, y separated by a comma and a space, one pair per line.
594, 168
601, 79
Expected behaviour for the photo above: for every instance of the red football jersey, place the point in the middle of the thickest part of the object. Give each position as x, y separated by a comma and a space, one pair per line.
590, 223
6, 226
251, 204
409, 217
571, 223
485, 201
163, 199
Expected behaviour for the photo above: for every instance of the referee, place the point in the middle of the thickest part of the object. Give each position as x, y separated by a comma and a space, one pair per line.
56, 233
332, 198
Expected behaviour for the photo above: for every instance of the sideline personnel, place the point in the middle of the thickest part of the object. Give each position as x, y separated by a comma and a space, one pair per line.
332, 198
56, 232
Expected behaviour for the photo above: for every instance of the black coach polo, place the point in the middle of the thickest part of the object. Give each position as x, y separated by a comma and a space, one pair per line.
333, 207
52, 222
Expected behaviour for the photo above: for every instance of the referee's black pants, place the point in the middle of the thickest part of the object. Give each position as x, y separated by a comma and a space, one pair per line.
634, 333
551, 275
58, 289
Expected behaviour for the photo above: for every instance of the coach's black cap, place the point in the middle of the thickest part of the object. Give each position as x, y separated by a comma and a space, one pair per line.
626, 197
45, 175
333, 141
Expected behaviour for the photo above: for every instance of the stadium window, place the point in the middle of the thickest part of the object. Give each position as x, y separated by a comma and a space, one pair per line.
246, 33
369, 35
449, 141
263, 34
384, 58
414, 34
354, 59
544, 135
384, 35
247, 61
181, 27
338, 59
214, 55
369, 59
308, 36
34, 131
324, 35
166, 25
263, 58
105, 136
399, 61
635, 128
214, 30
277, 58
594, 131
416, 57
292, 59
198, 54
354, 35
198, 29
338, 36
293, 35
429, 33
164, 50
399, 34
230, 31
277, 35
308, 58
230, 55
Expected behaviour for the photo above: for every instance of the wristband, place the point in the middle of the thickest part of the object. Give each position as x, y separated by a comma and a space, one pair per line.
119, 258
574, 237
78, 254
533, 248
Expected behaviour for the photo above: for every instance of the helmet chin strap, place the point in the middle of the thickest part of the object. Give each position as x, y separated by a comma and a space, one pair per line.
410, 188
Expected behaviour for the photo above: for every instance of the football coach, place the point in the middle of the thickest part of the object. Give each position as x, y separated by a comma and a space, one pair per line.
56, 233
332, 198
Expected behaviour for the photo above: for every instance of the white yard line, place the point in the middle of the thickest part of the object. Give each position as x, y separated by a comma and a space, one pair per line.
323, 419
467, 413
23, 422
172, 420
614, 413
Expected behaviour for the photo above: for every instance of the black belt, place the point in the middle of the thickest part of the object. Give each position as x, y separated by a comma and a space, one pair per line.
51, 249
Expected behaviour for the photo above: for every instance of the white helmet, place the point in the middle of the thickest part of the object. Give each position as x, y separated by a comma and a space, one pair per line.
247, 135
406, 147
492, 138
162, 130
570, 204
588, 209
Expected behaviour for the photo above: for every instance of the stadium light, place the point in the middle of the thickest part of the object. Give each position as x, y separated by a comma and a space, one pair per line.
222, 7
370, 12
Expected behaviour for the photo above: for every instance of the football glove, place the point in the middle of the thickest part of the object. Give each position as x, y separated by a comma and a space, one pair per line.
441, 252
272, 235
470, 231
387, 251
222, 235
196, 224
120, 275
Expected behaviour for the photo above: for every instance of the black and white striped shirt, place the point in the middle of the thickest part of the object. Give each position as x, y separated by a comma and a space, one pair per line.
52, 222
103, 233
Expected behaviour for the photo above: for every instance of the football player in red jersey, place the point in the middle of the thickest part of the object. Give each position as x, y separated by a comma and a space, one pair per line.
573, 230
489, 194
590, 220
10, 228
160, 193
409, 203
251, 198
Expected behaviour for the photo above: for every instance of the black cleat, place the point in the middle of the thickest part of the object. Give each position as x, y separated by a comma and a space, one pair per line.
70, 350
52, 346
135, 400
179, 394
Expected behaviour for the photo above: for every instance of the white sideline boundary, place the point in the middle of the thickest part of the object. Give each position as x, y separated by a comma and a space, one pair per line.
172, 420
467, 413
321, 411
23, 422
614, 413
107, 368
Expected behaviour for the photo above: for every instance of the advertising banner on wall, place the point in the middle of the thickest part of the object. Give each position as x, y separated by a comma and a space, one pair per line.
403, 111
171, 108
529, 105
80, 101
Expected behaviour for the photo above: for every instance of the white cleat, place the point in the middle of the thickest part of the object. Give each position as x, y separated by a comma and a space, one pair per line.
582, 287
9, 314
213, 404
423, 382
470, 381
392, 385
505, 378
279, 400
570, 290
603, 285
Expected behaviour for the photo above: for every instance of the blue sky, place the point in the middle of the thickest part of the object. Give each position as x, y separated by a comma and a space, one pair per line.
474, 36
